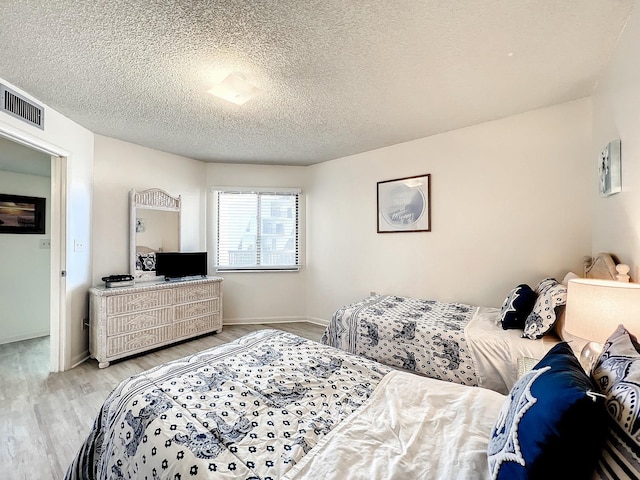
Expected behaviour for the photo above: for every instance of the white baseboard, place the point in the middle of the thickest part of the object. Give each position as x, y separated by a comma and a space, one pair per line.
267, 320
318, 321
28, 336
80, 358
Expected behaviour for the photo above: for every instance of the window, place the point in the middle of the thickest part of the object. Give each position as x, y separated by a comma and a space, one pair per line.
257, 229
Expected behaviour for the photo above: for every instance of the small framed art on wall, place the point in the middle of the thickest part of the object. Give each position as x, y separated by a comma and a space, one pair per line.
20, 214
609, 171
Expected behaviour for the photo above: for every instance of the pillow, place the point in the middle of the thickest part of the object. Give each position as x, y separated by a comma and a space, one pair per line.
517, 306
540, 321
146, 262
551, 424
526, 364
569, 276
617, 374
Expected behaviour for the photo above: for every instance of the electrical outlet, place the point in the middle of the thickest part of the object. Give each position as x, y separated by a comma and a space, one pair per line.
78, 246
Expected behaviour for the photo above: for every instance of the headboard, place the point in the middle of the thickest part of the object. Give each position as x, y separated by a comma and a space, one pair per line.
603, 266
606, 267
143, 249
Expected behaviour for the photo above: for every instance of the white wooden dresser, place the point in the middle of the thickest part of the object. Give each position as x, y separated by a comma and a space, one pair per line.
128, 320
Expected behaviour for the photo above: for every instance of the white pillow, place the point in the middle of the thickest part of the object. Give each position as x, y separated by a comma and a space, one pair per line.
569, 276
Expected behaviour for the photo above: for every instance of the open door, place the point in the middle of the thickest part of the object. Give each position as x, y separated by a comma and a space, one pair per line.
58, 282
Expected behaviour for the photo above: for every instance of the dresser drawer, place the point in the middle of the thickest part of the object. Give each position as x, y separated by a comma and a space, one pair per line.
193, 293
133, 322
135, 302
138, 340
196, 309
195, 326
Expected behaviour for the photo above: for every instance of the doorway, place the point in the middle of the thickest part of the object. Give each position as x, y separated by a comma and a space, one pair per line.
54, 240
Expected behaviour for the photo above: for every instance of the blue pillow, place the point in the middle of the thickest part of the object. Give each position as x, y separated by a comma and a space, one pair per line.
517, 307
552, 423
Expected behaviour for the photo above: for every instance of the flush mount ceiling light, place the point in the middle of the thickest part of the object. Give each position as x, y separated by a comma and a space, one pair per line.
235, 89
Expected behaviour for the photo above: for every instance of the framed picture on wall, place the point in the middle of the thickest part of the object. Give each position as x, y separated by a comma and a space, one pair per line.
404, 204
609, 171
20, 214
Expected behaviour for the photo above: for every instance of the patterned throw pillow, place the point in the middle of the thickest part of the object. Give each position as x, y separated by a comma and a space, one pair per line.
617, 374
517, 306
146, 262
542, 318
551, 424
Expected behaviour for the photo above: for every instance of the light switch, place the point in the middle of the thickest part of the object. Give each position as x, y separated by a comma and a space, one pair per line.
45, 243
78, 246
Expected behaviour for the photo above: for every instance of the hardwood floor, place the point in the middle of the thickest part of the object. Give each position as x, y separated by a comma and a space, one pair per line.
45, 417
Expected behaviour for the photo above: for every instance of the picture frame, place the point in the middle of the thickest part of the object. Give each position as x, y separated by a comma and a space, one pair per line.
22, 214
609, 169
404, 204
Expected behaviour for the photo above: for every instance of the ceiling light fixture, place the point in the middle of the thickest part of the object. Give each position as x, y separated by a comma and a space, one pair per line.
235, 89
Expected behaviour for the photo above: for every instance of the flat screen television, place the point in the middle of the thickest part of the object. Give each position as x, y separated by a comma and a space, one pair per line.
181, 264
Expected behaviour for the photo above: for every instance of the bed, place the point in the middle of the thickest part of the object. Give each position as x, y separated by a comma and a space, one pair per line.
461, 343
272, 405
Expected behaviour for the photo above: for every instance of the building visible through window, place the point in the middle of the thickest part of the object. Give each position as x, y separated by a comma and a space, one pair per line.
257, 230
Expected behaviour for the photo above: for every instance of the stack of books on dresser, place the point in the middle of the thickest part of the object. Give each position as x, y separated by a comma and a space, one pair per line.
118, 281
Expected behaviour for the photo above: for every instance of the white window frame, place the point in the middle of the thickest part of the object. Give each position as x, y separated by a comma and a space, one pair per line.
215, 190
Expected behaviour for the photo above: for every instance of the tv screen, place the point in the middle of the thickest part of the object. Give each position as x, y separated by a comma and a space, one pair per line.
181, 264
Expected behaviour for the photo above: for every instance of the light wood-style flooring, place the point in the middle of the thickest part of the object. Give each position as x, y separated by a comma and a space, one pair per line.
45, 417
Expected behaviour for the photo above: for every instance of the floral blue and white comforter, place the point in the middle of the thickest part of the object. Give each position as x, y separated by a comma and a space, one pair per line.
422, 336
250, 409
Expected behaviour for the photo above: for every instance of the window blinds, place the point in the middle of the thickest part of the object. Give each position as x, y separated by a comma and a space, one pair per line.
257, 230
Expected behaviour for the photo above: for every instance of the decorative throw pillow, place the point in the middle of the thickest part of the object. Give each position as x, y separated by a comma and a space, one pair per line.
617, 374
551, 424
540, 321
517, 306
146, 262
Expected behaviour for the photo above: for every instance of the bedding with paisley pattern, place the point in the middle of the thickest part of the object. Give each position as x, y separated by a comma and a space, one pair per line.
449, 341
247, 409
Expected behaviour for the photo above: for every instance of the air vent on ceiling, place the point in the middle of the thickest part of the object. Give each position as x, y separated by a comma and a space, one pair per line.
18, 106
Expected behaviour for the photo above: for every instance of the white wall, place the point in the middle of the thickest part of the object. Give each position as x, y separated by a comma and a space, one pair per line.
275, 296
24, 276
78, 142
121, 166
616, 107
510, 204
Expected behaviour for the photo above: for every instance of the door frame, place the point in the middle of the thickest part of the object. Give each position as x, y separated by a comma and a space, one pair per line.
58, 259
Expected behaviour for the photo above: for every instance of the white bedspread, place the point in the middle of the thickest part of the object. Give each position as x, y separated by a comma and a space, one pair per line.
496, 351
411, 428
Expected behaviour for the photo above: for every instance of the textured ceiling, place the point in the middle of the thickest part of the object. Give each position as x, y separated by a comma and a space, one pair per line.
338, 76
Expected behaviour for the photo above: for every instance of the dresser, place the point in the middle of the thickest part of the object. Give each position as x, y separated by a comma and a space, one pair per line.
128, 320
